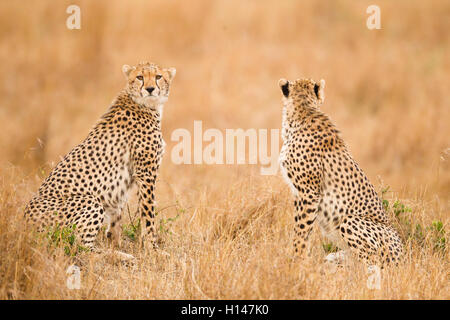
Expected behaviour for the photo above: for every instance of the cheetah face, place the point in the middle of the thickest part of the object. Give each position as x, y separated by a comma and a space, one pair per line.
303, 91
148, 84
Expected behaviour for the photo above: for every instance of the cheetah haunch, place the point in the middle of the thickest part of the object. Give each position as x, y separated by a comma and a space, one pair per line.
327, 183
125, 147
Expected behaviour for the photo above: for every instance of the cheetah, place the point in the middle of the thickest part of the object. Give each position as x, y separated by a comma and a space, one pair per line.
327, 184
89, 186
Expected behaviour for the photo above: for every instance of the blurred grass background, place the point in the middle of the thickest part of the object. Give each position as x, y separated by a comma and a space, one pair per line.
387, 91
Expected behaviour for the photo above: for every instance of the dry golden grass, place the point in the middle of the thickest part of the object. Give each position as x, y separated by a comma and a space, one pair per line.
387, 91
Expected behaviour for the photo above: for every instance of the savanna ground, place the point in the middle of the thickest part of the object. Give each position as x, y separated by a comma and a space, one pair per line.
226, 230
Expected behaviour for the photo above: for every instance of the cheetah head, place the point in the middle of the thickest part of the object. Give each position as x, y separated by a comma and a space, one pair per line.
303, 92
148, 84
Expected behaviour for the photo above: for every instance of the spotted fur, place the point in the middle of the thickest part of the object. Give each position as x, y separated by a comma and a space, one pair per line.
89, 186
327, 184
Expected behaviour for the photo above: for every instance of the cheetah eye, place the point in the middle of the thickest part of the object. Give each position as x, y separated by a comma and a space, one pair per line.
158, 76
140, 78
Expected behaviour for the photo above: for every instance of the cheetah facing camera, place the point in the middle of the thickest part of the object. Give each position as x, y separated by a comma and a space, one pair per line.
327, 183
90, 184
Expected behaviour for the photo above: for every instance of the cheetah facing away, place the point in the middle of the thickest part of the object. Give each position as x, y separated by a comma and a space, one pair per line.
90, 184
327, 183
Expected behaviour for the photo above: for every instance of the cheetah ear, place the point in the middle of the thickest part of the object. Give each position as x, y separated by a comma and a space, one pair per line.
172, 72
126, 69
319, 90
284, 85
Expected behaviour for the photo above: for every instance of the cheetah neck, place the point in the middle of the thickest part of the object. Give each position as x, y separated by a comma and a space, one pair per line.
297, 116
154, 107
294, 116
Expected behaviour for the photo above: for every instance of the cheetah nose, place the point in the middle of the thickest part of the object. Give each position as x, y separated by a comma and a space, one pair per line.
150, 89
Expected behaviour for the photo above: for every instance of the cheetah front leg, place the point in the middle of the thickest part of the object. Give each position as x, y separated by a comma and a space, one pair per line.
146, 196
307, 190
306, 208
306, 185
